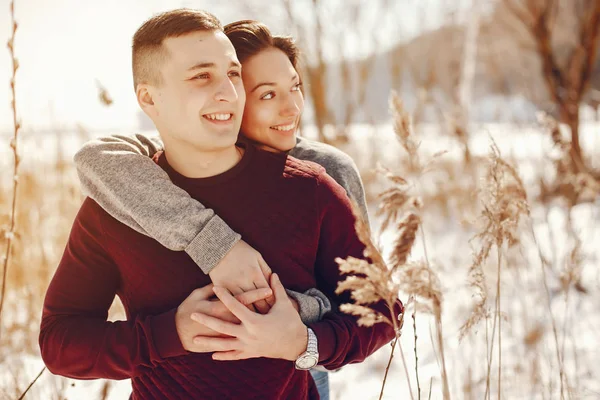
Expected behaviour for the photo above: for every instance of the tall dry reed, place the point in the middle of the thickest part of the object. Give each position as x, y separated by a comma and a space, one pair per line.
402, 207
9, 233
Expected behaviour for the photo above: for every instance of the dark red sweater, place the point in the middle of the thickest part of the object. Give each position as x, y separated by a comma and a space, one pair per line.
294, 214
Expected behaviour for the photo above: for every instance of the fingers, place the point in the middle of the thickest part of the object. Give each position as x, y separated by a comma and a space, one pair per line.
217, 325
236, 308
250, 306
264, 268
270, 301
209, 344
235, 290
278, 289
203, 293
253, 296
262, 306
229, 355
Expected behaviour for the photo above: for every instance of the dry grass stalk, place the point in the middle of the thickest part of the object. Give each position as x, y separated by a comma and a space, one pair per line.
571, 277
574, 186
543, 266
404, 132
22, 396
9, 235
414, 317
407, 227
416, 278
105, 390
457, 127
103, 95
369, 282
504, 203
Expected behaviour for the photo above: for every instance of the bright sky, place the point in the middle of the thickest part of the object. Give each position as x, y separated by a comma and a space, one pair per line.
64, 46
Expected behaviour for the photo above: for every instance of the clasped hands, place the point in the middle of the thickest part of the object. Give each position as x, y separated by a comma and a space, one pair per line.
226, 327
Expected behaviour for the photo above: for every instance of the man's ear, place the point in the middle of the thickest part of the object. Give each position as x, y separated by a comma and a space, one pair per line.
144, 94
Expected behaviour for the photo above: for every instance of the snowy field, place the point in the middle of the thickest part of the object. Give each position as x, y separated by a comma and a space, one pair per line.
524, 302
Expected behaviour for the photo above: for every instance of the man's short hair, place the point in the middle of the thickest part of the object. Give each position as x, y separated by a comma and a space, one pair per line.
148, 52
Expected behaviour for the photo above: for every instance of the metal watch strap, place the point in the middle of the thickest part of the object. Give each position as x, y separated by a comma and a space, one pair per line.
311, 354
313, 346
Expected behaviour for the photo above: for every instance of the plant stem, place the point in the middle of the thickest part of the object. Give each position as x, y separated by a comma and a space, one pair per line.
496, 321
499, 324
430, 384
438, 317
406, 370
549, 305
22, 396
387, 368
397, 329
414, 317
11, 232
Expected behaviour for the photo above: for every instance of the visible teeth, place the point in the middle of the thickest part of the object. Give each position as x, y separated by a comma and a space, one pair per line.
285, 128
219, 117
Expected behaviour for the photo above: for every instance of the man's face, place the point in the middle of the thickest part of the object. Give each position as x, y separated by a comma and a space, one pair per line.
201, 98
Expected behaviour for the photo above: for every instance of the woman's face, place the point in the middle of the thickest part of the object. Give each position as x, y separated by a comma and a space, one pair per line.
274, 102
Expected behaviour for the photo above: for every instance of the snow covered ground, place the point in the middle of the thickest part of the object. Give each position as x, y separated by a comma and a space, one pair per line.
524, 302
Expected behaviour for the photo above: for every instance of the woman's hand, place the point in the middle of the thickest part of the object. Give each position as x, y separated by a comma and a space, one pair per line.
202, 301
278, 334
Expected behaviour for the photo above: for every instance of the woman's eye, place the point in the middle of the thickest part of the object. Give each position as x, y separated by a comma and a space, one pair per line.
297, 87
268, 96
235, 73
201, 76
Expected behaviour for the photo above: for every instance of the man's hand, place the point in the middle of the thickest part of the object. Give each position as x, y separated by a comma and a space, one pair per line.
243, 269
278, 334
200, 301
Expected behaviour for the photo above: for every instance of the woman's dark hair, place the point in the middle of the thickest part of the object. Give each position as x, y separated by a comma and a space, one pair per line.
250, 37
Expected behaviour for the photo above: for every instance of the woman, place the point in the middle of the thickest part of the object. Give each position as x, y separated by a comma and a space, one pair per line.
274, 105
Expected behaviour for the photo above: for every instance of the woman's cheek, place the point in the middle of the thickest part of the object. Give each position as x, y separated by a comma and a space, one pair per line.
264, 117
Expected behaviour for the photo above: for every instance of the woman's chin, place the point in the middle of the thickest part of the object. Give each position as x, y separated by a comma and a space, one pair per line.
284, 143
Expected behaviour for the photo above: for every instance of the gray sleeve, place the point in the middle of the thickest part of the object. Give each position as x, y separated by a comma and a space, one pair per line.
339, 165
313, 304
345, 172
145, 199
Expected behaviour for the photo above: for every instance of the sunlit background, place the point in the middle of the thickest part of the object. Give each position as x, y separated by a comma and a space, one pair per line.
524, 74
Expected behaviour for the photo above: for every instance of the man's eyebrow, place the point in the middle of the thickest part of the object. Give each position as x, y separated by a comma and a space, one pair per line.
271, 83
212, 65
202, 65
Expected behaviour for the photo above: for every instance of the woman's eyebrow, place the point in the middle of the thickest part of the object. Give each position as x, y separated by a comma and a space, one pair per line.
271, 83
263, 84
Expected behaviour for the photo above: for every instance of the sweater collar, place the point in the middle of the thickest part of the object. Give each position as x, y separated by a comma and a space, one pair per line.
184, 181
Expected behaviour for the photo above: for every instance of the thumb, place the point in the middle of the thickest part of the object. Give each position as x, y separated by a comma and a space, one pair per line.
278, 289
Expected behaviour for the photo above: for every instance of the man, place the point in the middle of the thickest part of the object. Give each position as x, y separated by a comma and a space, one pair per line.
293, 213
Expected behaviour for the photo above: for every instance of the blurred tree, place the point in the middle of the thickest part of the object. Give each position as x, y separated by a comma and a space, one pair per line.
574, 27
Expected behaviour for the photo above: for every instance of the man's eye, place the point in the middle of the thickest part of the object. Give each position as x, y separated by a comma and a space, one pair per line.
202, 76
268, 96
235, 73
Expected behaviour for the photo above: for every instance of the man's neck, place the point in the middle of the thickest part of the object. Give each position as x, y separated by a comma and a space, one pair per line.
193, 163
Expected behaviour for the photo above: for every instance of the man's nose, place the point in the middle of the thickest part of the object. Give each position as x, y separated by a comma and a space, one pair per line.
226, 91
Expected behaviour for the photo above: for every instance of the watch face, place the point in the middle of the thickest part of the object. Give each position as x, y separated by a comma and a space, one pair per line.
307, 361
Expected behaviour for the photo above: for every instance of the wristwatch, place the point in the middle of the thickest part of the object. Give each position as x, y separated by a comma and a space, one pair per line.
310, 357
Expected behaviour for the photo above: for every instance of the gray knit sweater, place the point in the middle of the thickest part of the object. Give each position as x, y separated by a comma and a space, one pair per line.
118, 173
